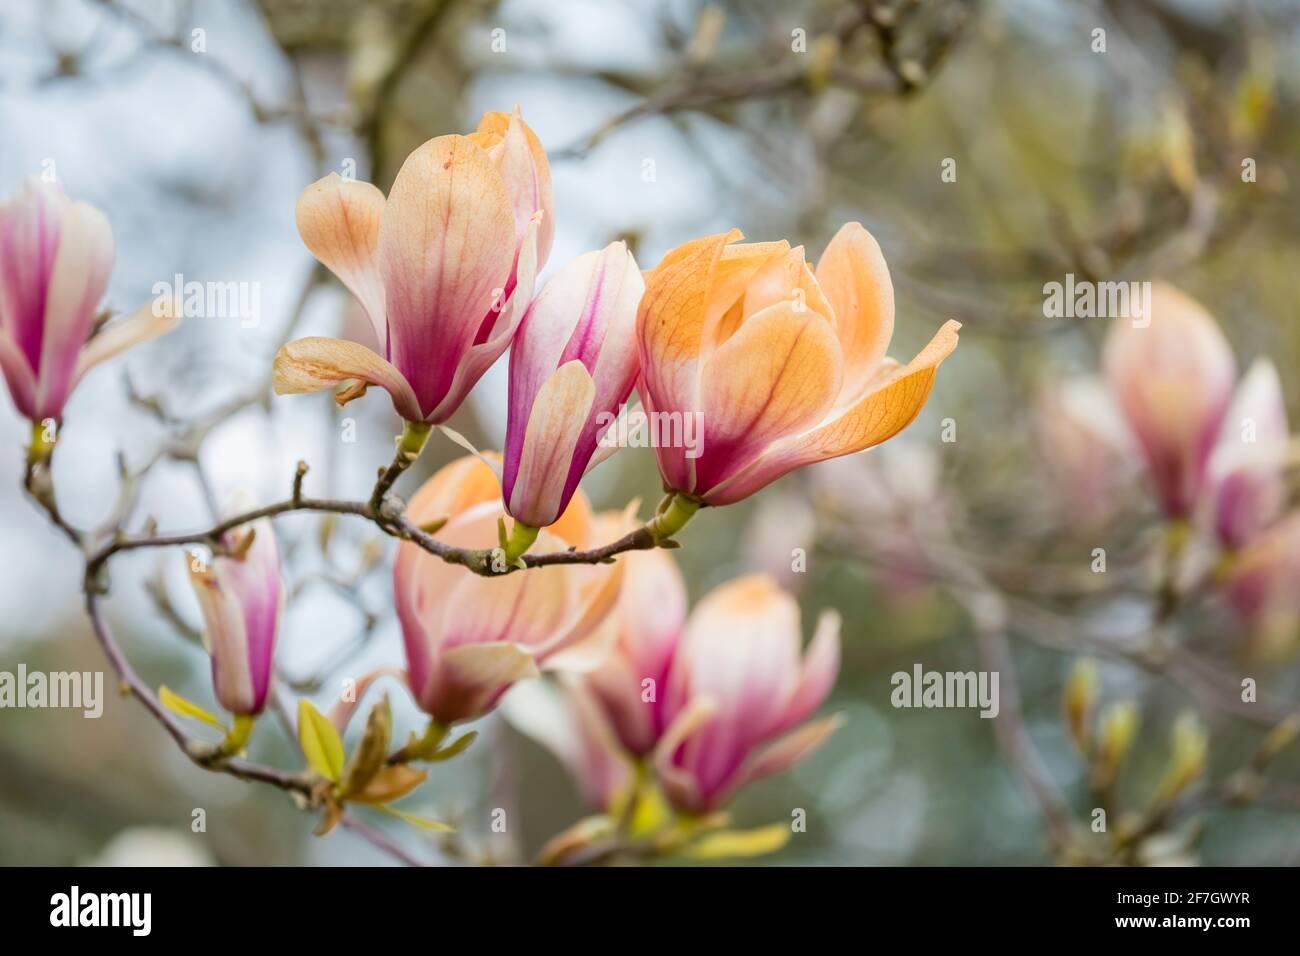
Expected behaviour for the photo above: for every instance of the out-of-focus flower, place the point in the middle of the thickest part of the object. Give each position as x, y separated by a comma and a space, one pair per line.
153, 846
241, 594
567, 721
780, 367
55, 258
444, 267
738, 693
572, 366
1084, 447
469, 637
631, 685
1260, 585
1247, 469
1173, 379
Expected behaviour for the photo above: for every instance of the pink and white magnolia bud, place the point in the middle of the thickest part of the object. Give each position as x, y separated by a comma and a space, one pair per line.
1249, 462
738, 692
572, 367
1173, 379
241, 595
55, 258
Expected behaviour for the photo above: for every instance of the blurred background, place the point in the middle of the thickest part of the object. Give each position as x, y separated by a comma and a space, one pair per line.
991, 147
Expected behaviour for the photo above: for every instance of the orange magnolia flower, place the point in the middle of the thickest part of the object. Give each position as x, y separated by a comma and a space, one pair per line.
444, 267
778, 366
468, 637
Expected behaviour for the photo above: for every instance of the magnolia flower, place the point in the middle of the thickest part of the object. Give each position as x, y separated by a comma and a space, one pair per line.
1247, 468
469, 637
572, 366
444, 267
241, 595
738, 693
1173, 379
55, 257
780, 367
649, 620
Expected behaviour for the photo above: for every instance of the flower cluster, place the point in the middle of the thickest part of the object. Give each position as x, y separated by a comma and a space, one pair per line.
1214, 447
781, 365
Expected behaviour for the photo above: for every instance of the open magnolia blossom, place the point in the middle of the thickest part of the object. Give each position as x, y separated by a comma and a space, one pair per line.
739, 691
241, 595
780, 365
55, 259
572, 367
469, 637
444, 267
1173, 379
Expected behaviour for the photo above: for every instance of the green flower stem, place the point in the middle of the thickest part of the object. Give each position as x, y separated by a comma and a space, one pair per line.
671, 519
521, 539
40, 450
237, 739
409, 446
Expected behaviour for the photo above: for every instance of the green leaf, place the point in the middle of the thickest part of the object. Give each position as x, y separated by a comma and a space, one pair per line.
453, 748
320, 742
738, 843
179, 705
415, 820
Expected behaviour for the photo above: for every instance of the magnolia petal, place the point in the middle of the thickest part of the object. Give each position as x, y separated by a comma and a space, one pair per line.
778, 375
18, 374
887, 408
821, 665
471, 678
316, 363
455, 488
609, 440
446, 252
598, 599
77, 283
784, 752
481, 356
338, 220
226, 640
559, 415
855, 278
340, 714
736, 267
151, 321
672, 318
522, 161
678, 783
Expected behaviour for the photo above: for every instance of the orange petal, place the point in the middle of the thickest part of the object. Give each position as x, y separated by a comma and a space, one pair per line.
887, 408
338, 220
777, 376
316, 363
672, 319
454, 488
856, 281
521, 159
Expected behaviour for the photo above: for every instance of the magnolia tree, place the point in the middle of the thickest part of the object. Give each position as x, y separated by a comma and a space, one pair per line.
503, 571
